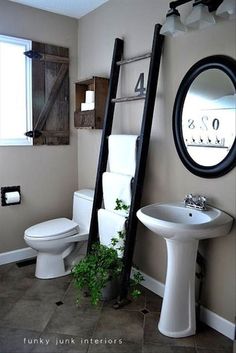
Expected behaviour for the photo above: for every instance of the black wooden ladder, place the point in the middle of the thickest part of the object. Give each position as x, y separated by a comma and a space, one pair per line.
144, 138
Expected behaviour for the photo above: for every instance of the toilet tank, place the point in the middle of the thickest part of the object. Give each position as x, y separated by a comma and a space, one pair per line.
82, 207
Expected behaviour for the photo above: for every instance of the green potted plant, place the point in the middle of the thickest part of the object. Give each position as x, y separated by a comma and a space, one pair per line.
99, 268
99, 272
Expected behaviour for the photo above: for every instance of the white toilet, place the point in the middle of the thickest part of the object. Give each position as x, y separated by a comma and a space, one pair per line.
55, 240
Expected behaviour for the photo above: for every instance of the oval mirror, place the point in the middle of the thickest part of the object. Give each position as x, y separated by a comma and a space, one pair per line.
204, 117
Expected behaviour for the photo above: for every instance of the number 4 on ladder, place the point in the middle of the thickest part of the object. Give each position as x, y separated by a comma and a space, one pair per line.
140, 85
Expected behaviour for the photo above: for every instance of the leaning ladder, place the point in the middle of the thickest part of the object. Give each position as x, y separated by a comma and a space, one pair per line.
144, 138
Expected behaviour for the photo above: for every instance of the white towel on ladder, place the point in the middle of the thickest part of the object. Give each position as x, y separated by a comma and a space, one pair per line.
116, 186
109, 224
122, 154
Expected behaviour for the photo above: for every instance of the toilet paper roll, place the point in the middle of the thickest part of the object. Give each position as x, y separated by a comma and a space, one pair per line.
12, 197
87, 106
89, 97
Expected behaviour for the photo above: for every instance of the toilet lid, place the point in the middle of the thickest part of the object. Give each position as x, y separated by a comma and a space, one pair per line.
52, 228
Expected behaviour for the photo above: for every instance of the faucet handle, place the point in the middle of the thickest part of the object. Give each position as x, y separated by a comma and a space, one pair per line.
188, 197
203, 201
200, 198
203, 198
200, 201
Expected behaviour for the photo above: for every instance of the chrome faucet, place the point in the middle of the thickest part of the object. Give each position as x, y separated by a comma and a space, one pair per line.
195, 201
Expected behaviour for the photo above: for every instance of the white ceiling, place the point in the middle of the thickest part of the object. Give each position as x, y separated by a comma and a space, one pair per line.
71, 8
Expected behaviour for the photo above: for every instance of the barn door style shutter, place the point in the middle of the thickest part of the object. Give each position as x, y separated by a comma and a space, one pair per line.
50, 94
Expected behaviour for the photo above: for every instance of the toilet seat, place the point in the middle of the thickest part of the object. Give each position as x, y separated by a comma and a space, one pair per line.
54, 229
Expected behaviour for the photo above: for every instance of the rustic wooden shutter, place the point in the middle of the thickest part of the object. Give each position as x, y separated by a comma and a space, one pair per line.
50, 94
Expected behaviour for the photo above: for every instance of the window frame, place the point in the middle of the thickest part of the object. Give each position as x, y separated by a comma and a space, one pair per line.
24, 141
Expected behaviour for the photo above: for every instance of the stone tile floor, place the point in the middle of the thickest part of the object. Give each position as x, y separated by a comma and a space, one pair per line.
40, 316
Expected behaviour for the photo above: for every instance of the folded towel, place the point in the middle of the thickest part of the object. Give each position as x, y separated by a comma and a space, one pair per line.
122, 154
109, 224
116, 186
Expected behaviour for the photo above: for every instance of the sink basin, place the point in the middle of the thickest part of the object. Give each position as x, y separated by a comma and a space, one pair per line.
182, 228
175, 221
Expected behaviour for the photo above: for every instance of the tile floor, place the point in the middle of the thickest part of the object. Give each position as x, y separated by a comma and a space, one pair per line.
40, 316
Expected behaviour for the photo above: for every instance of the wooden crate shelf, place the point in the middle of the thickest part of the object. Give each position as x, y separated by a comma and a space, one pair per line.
92, 119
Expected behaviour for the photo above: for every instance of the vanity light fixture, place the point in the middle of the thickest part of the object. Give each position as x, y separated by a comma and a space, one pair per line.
200, 17
227, 9
172, 26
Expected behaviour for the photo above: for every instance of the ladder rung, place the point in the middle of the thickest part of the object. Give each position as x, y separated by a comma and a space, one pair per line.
136, 58
128, 99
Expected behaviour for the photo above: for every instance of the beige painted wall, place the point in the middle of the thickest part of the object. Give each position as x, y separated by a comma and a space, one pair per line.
47, 174
166, 177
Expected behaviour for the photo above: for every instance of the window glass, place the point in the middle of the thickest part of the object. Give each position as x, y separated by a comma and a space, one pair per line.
15, 91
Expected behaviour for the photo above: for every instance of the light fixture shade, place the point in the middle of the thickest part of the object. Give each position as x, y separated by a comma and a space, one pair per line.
227, 9
172, 26
200, 17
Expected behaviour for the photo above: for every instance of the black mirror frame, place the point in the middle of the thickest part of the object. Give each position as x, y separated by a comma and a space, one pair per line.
227, 65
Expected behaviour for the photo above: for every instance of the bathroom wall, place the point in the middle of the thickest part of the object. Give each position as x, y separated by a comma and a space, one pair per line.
166, 177
47, 174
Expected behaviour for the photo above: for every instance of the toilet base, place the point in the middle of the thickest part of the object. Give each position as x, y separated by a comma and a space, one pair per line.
52, 265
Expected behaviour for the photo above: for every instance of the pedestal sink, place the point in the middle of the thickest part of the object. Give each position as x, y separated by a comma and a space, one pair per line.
182, 229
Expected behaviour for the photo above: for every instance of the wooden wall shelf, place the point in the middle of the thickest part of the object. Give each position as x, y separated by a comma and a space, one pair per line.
91, 119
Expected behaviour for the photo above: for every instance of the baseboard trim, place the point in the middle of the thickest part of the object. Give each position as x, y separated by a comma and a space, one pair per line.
152, 284
211, 319
17, 255
217, 322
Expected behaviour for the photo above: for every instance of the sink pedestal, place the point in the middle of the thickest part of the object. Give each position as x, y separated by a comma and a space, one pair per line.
178, 318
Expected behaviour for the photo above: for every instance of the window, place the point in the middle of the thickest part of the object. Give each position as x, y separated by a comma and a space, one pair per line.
15, 91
